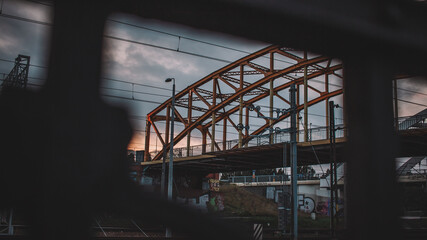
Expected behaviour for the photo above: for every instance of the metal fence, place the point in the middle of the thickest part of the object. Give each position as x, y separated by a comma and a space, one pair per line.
270, 178
314, 134
413, 122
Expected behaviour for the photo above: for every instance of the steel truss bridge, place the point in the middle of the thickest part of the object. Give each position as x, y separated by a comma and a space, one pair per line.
237, 89
267, 73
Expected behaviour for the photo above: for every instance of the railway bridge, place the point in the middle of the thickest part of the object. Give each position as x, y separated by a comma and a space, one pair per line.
233, 98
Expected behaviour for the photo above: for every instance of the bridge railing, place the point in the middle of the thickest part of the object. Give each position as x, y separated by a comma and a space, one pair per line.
411, 122
314, 134
300, 177
269, 178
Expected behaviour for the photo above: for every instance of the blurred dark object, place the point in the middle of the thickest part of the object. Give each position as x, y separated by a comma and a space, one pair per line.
63, 150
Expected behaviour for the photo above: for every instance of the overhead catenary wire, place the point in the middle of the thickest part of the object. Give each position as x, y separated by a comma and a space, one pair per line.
167, 48
146, 85
153, 94
147, 44
317, 158
41, 3
406, 101
164, 48
146, 28
174, 35
151, 45
122, 39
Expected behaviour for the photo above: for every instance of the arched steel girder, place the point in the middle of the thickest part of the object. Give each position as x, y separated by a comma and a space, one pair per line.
210, 77
299, 81
310, 66
299, 108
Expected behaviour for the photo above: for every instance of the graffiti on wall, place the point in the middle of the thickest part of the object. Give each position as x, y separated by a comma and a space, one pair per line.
216, 202
306, 204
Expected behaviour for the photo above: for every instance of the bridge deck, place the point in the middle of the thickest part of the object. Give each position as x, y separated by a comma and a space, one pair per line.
412, 142
259, 157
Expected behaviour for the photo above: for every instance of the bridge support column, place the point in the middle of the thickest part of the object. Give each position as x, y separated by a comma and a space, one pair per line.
396, 108
271, 112
293, 163
204, 134
147, 141
224, 135
213, 133
327, 105
189, 114
241, 108
305, 101
371, 189
247, 125
213, 114
271, 98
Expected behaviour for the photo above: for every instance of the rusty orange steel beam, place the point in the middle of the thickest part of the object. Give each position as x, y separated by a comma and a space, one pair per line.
210, 136
158, 134
232, 123
181, 119
266, 79
289, 55
241, 92
212, 75
298, 81
202, 98
299, 107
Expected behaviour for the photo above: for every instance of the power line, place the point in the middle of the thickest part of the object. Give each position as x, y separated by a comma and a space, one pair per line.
158, 31
130, 99
105, 78
411, 91
41, 3
178, 36
145, 85
133, 91
25, 19
419, 104
151, 45
137, 84
164, 48
175, 35
31, 65
122, 39
188, 38
168, 49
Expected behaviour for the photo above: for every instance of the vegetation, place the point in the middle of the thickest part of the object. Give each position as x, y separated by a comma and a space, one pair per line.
240, 202
251, 207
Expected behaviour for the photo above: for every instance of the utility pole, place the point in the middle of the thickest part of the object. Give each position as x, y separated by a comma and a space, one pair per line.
170, 173
305, 101
163, 178
396, 108
293, 153
283, 203
293, 158
333, 167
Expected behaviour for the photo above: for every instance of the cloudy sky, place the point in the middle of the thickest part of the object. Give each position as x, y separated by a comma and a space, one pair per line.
139, 54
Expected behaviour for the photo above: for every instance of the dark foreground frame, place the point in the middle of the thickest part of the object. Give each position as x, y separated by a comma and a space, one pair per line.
68, 141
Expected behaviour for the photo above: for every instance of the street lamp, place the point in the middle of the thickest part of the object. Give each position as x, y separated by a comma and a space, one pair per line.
170, 175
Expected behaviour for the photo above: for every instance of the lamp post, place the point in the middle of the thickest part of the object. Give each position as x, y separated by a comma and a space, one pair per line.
170, 175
